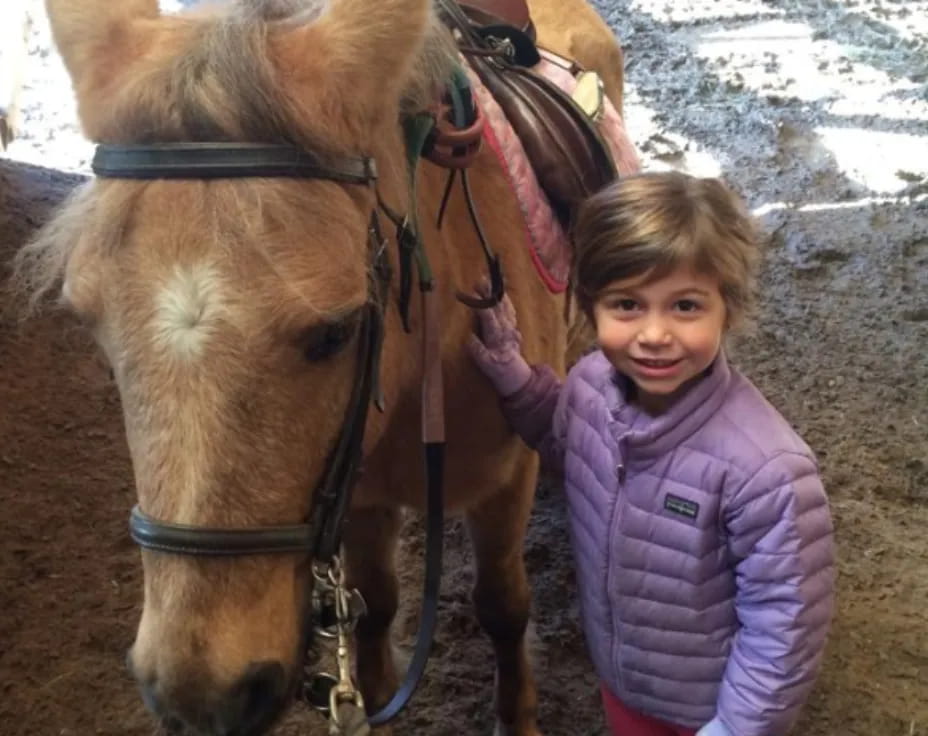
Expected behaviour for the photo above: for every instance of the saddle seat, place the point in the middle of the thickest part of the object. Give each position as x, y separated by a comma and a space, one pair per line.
514, 13
568, 154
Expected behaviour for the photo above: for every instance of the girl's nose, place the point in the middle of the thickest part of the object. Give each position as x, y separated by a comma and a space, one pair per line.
655, 333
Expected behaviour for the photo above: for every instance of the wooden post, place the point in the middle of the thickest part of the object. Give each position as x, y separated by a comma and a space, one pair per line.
14, 26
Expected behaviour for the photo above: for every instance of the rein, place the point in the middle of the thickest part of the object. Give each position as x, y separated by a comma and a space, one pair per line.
319, 536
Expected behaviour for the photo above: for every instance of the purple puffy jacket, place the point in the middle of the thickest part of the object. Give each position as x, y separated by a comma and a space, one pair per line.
702, 541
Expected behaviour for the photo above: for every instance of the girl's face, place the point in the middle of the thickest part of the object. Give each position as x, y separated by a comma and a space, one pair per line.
662, 334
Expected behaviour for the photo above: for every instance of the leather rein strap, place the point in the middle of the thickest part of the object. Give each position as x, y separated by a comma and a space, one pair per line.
320, 537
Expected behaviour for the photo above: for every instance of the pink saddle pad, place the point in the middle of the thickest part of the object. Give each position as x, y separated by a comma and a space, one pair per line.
547, 242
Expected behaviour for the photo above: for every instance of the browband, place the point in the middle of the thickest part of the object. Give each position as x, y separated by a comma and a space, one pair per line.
225, 160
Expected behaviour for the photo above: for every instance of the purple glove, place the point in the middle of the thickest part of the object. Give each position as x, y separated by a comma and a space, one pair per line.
497, 351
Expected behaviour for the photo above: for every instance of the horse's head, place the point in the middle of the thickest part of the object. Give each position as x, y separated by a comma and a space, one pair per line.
228, 308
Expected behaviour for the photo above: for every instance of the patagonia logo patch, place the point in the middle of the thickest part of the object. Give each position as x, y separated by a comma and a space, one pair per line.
681, 506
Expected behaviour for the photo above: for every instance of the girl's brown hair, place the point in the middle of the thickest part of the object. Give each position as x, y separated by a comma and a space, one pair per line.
651, 224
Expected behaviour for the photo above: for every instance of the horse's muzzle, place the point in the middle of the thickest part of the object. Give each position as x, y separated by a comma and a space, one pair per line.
247, 708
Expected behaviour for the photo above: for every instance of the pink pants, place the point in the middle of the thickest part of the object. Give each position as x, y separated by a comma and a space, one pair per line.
624, 721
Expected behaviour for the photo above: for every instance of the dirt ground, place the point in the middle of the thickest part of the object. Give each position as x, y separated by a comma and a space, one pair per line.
818, 112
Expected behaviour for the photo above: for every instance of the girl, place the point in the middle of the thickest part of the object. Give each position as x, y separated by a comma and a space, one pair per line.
701, 533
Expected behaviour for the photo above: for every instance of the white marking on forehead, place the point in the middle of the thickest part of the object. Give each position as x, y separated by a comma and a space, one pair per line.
187, 310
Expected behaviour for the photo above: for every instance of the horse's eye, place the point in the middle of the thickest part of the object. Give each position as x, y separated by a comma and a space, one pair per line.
324, 341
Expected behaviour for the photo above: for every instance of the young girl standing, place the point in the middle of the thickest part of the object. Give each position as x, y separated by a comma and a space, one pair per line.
701, 533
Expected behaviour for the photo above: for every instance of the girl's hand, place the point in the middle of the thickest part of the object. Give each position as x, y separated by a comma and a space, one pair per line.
497, 350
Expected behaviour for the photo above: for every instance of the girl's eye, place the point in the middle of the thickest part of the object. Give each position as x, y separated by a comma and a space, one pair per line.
687, 305
625, 305
324, 341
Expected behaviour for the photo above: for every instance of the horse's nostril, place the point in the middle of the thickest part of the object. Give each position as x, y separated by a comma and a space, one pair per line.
255, 700
147, 691
263, 683
248, 708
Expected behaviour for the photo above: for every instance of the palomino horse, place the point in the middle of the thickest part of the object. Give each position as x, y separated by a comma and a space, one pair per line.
225, 307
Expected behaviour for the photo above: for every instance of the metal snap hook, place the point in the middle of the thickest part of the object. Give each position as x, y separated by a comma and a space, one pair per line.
325, 614
317, 691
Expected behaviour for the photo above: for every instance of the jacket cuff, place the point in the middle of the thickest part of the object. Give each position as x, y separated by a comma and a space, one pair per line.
715, 727
516, 376
530, 410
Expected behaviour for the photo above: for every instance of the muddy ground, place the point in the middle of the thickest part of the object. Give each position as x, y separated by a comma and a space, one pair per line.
818, 112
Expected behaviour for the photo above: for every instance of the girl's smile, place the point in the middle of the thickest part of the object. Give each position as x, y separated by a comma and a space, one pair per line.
657, 368
661, 333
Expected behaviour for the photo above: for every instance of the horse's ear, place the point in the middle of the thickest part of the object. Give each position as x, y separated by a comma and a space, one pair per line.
98, 38
356, 56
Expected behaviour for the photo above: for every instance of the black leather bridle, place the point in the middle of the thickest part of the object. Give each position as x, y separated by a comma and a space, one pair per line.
320, 536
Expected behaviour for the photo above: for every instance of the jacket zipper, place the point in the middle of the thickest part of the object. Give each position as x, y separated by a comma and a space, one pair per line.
614, 531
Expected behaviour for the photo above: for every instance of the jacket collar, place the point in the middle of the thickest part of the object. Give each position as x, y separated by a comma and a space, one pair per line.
647, 437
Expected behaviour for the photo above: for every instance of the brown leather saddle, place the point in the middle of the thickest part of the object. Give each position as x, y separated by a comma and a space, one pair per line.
569, 156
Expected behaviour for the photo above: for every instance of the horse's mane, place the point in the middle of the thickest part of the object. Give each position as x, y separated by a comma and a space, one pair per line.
224, 85
221, 88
